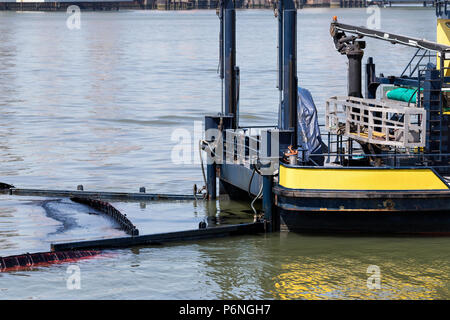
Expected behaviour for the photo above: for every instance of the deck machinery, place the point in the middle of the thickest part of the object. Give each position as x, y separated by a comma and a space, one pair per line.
378, 164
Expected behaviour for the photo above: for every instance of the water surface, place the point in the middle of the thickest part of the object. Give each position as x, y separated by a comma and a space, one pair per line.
98, 107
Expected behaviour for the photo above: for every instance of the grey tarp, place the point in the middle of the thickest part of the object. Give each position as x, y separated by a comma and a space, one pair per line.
309, 139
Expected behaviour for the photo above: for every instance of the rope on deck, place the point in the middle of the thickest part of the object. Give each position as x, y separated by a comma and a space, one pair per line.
112, 212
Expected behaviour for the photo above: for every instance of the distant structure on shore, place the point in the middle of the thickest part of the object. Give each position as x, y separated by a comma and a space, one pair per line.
47, 5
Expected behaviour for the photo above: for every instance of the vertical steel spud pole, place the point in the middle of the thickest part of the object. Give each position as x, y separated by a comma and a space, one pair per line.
230, 59
289, 68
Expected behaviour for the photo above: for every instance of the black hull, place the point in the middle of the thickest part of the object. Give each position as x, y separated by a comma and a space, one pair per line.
361, 212
367, 222
364, 212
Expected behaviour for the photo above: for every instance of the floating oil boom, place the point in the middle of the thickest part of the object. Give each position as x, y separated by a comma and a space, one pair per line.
33, 260
73, 251
376, 166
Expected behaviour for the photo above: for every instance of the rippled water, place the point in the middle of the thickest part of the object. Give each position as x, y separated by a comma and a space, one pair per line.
98, 106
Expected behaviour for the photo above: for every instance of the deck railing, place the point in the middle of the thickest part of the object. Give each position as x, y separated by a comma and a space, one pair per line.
378, 122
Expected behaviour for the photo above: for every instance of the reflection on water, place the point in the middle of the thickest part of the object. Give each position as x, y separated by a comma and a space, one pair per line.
98, 106
324, 280
332, 267
278, 266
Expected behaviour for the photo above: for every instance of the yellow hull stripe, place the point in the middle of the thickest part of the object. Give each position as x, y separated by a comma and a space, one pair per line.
360, 179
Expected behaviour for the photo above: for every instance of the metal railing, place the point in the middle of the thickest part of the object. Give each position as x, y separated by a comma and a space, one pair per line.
378, 122
250, 146
246, 147
416, 62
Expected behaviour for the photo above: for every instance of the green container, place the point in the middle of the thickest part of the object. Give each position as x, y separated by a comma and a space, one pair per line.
403, 94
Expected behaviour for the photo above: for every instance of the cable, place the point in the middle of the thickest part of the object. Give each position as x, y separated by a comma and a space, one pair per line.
250, 182
415, 92
203, 167
256, 198
255, 169
200, 142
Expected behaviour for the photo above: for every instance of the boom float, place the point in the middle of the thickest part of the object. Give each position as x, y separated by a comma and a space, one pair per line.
110, 211
26, 261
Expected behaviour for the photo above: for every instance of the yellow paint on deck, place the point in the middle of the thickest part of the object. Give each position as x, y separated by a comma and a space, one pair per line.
443, 37
360, 179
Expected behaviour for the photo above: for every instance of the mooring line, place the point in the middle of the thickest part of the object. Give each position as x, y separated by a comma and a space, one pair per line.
112, 212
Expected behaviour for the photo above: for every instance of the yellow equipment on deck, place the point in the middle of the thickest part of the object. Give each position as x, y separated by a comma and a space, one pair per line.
443, 37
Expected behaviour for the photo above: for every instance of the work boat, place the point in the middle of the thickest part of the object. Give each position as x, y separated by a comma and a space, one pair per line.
377, 164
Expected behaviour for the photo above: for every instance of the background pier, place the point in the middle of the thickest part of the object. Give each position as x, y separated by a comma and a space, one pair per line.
44, 5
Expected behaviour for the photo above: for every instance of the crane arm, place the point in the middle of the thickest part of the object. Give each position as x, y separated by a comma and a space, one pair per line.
340, 28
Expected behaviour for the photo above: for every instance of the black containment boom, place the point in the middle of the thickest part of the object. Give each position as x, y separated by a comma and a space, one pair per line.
30, 260
106, 208
153, 239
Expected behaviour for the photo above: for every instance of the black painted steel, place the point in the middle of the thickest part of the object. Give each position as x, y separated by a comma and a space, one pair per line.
418, 223
154, 239
364, 211
371, 81
5, 186
229, 62
354, 72
288, 114
98, 194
